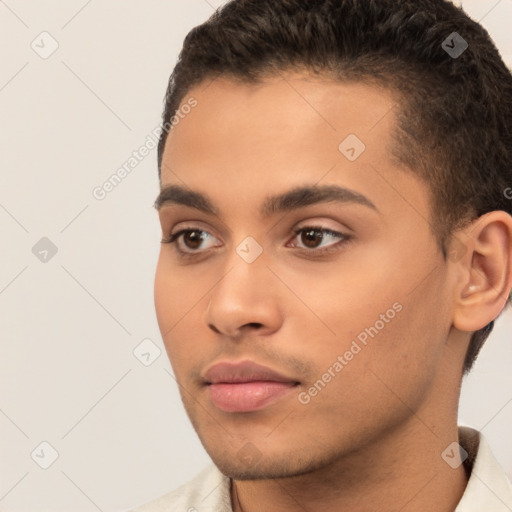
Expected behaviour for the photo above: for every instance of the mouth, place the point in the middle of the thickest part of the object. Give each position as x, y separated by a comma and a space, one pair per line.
246, 386
248, 396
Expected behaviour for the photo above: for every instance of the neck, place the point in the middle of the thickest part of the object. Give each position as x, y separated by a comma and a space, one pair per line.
404, 471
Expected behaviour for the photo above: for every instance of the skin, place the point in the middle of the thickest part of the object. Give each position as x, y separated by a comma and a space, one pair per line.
373, 437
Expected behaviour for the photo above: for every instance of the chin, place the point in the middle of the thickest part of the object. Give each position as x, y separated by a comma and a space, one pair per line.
245, 465
259, 471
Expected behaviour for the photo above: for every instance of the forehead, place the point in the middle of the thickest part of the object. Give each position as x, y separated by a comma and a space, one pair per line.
241, 140
282, 121
298, 109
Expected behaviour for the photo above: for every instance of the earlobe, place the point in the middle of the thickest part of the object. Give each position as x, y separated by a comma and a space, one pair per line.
485, 271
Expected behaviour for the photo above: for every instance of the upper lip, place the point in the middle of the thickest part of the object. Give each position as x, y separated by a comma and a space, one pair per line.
245, 371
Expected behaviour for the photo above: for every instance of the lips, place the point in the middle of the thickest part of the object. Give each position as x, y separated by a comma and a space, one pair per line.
245, 371
245, 386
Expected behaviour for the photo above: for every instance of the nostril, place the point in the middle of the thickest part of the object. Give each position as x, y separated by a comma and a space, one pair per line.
255, 324
213, 328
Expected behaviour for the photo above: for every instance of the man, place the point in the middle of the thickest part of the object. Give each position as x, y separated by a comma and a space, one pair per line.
337, 242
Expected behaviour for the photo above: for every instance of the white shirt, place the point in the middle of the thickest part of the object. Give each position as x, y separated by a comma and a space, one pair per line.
488, 488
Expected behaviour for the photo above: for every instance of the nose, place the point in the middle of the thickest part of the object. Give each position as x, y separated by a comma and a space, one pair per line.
246, 301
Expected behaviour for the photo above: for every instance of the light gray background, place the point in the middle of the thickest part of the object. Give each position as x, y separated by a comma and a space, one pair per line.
68, 375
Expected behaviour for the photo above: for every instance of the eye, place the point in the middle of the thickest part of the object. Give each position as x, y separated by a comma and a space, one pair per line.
192, 240
311, 238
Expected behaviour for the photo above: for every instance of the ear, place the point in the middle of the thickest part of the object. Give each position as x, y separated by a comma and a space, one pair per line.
484, 270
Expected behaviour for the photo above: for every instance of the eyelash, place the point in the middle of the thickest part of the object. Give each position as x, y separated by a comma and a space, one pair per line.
331, 248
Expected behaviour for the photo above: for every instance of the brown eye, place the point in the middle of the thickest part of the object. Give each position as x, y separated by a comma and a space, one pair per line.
311, 237
189, 242
193, 239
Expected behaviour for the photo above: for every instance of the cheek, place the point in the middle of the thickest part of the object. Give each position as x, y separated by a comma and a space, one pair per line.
402, 359
165, 296
176, 292
383, 326
381, 370
349, 298
174, 302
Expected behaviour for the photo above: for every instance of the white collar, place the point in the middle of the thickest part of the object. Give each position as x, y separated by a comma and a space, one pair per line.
488, 488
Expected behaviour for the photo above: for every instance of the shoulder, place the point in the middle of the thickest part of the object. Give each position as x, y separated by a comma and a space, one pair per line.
208, 491
488, 487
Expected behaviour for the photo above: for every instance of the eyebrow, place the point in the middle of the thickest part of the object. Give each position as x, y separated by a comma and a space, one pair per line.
293, 199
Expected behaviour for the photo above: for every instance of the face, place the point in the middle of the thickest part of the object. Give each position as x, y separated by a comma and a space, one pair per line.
340, 289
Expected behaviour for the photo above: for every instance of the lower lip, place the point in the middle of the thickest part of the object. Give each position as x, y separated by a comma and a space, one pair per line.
247, 396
